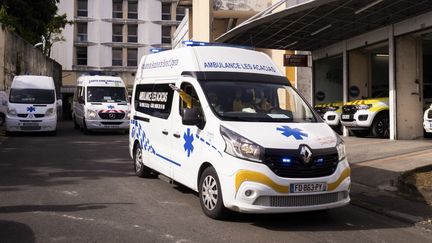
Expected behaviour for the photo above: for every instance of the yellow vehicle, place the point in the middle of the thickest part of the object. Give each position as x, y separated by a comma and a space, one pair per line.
365, 117
331, 113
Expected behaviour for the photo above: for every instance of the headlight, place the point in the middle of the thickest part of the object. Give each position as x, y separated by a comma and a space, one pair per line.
363, 107
128, 115
91, 114
12, 111
49, 112
340, 146
241, 147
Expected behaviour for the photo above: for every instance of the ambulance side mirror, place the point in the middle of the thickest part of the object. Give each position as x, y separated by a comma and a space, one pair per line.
193, 117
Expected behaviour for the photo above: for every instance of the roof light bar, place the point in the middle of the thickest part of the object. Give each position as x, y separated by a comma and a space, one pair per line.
321, 30
202, 43
156, 50
370, 5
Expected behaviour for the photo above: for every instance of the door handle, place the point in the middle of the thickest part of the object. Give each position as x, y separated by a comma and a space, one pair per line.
165, 132
176, 135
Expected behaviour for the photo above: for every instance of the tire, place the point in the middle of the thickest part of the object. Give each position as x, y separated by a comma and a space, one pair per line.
9, 134
86, 131
360, 133
210, 195
381, 126
52, 133
2, 119
140, 169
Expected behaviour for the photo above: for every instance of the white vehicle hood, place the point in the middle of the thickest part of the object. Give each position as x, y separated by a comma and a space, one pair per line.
285, 135
30, 109
109, 107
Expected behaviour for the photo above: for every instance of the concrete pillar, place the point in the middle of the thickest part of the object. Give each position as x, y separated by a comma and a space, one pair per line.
409, 109
345, 80
358, 73
392, 86
202, 20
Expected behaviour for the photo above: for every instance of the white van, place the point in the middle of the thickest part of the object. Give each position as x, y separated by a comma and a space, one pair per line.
3, 107
427, 120
32, 105
225, 122
100, 103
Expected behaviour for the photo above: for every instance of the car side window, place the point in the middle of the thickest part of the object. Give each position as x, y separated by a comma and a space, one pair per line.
154, 99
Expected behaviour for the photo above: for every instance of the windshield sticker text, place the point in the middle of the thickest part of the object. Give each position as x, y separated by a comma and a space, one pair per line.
236, 65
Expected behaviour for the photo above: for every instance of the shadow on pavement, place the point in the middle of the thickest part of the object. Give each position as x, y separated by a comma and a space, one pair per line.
56, 208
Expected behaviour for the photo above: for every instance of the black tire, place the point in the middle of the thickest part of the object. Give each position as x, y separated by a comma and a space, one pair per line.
52, 133
9, 134
210, 195
381, 126
2, 119
360, 133
86, 131
140, 169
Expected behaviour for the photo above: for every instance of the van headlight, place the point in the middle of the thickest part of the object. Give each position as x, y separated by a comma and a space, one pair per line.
363, 107
91, 114
128, 115
49, 112
340, 147
241, 147
12, 112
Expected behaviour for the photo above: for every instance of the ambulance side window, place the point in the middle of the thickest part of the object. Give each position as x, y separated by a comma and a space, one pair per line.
154, 100
189, 89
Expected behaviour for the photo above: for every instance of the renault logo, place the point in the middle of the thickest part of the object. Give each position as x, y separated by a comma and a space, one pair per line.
112, 116
306, 154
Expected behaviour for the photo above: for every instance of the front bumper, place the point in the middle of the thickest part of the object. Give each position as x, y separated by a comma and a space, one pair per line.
107, 124
17, 124
427, 124
362, 119
264, 192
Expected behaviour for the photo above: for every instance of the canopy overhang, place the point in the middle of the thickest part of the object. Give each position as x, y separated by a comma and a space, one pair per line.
319, 23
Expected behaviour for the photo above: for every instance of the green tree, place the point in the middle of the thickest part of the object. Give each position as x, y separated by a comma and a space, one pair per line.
33, 19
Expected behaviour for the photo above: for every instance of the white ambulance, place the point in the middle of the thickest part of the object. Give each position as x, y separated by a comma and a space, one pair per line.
427, 120
32, 105
100, 103
226, 123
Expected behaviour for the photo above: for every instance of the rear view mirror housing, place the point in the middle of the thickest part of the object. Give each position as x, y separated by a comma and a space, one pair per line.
193, 117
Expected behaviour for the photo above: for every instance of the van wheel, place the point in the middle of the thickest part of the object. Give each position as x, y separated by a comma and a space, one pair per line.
140, 169
52, 133
210, 195
381, 126
86, 131
2, 119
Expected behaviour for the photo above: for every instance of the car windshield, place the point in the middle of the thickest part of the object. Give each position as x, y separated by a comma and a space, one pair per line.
257, 102
106, 94
32, 96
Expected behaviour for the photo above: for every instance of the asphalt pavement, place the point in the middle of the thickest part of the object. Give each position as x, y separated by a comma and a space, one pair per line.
81, 188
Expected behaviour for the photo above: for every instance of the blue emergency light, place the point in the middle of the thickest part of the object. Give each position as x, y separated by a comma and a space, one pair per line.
286, 160
156, 50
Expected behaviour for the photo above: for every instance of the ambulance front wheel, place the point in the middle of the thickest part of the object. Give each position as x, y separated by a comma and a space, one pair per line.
210, 195
140, 169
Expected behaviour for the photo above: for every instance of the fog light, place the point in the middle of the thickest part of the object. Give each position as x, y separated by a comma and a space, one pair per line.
363, 117
248, 193
331, 118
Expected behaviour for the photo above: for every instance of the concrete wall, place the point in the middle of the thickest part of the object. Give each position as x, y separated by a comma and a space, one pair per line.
18, 57
201, 20
358, 73
409, 106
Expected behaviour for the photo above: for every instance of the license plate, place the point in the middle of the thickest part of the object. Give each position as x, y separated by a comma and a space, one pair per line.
308, 187
110, 126
345, 116
30, 124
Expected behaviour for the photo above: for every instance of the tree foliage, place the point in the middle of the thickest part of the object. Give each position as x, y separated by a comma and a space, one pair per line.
34, 20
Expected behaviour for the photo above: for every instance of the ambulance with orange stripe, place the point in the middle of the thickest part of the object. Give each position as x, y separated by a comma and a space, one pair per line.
226, 122
100, 103
367, 117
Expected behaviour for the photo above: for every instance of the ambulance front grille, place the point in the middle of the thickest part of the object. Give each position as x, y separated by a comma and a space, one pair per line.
301, 200
112, 115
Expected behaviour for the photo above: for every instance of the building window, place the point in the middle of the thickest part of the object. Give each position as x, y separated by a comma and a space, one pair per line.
133, 33
180, 13
82, 32
117, 57
81, 55
132, 57
117, 33
166, 11
82, 8
118, 9
132, 9
166, 34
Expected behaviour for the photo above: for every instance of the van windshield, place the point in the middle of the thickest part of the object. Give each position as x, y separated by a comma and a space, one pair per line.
32, 96
257, 102
106, 94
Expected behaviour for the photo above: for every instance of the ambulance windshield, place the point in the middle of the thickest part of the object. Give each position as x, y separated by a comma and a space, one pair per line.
106, 94
257, 102
32, 96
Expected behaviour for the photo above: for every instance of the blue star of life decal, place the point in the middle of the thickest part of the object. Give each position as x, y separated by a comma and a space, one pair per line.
31, 109
189, 138
296, 132
111, 107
